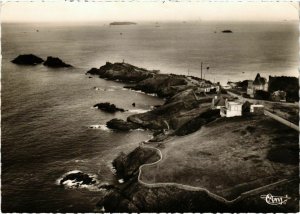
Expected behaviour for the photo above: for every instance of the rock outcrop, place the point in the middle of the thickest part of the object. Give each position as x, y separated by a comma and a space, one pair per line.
107, 107
122, 71
78, 179
27, 59
121, 125
135, 197
55, 62
185, 96
127, 165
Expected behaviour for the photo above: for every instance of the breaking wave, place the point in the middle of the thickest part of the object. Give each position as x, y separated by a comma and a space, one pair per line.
102, 127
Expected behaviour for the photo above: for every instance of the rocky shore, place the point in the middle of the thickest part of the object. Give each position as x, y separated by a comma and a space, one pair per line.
186, 109
185, 96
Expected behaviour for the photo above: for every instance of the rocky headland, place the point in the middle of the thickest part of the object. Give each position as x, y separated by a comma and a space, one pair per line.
185, 96
186, 104
186, 109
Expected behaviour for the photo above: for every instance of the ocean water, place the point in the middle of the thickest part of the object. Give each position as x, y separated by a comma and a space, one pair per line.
47, 114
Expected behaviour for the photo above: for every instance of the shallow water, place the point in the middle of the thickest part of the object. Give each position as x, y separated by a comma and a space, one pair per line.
47, 114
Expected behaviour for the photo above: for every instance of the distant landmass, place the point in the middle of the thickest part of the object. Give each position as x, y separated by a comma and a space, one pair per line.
226, 31
122, 23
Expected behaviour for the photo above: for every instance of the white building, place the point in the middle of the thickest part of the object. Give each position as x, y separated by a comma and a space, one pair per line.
231, 109
257, 109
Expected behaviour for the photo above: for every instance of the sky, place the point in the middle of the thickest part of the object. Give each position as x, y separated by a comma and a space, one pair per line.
146, 10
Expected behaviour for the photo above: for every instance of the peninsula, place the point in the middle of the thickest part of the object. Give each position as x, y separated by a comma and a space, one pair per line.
217, 164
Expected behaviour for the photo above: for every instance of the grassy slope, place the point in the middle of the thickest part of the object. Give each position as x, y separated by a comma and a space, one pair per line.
228, 156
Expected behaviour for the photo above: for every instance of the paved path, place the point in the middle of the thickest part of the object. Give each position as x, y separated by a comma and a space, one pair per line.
281, 120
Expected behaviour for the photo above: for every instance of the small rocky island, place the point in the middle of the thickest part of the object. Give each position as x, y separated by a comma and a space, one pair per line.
55, 62
122, 23
27, 59
107, 107
30, 59
227, 31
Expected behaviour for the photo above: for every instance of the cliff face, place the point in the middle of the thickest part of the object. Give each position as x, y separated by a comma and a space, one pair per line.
127, 166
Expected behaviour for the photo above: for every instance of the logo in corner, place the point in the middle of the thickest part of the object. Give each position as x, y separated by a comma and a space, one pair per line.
275, 200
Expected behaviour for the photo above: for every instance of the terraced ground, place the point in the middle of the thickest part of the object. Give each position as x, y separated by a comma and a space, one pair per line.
228, 157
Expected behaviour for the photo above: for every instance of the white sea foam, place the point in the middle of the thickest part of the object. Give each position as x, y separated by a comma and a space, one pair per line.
98, 89
110, 89
121, 181
138, 111
141, 92
113, 170
102, 127
72, 184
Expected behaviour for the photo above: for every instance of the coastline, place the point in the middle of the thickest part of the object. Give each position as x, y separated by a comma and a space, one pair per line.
177, 90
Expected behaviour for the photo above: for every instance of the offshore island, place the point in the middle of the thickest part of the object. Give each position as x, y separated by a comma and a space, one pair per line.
122, 23
212, 149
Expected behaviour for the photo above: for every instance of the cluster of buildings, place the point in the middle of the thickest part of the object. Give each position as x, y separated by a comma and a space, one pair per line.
260, 84
233, 108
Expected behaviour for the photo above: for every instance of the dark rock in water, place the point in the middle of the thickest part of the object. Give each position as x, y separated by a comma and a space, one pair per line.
79, 177
226, 31
55, 62
27, 59
90, 77
111, 108
118, 124
133, 104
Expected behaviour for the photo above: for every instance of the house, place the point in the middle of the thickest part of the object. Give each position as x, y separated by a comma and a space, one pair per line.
231, 109
279, 96
257, 109
232, 84
218, 102
259, 83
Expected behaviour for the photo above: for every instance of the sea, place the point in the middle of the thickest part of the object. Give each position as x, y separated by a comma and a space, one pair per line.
48, 124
